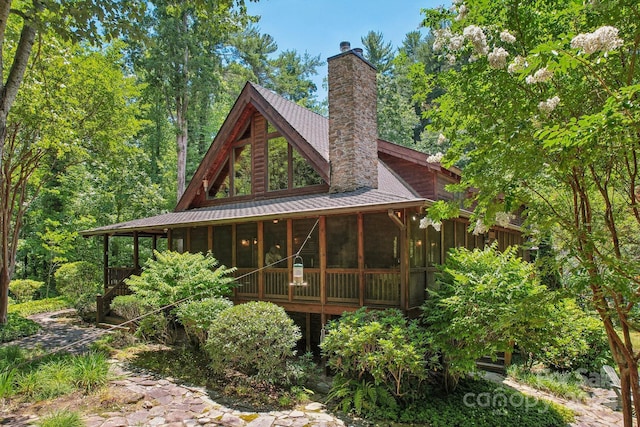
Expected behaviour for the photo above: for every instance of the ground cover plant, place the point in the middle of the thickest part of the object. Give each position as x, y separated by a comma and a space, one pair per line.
17, 327
40, 306
568, 385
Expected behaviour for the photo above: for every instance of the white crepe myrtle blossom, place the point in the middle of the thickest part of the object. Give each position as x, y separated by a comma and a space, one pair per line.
504, 218
498, 58
426, 222
480, 228
519, 63
441, 139
540, 76
435, 158
462, 12
604, 39
476, 36
442, 37
451, 59
507, 37
456, 43
549, 105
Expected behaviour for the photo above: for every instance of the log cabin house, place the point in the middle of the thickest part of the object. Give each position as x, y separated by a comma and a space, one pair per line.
278, 176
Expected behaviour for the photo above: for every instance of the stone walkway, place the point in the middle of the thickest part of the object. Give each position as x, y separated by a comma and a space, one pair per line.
149, 401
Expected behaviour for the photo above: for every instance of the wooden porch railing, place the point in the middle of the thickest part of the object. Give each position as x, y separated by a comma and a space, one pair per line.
381, 287
116, 287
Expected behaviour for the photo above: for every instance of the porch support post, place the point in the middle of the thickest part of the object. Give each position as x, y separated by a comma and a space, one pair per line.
169, 245
323, 262
361, 257
154, 243
308, 331
404, 263
136, 251
261, 260
105, 260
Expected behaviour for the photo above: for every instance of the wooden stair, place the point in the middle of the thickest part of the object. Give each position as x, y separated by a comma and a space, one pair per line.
113, 322
487, 363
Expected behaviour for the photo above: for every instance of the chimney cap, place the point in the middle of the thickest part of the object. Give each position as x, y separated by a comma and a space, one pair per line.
345, 46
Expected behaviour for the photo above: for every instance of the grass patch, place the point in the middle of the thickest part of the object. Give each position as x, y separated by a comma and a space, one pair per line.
64, 418
40, 306
50, 377
17, 327
567, 385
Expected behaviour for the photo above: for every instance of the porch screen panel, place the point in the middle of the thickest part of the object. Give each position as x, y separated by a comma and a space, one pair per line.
433, 248
199, 240
247, 245
179, 240
342, 242
275, 243
381, 241
222, 244
310, 252
417, 244
460, 234
449, 236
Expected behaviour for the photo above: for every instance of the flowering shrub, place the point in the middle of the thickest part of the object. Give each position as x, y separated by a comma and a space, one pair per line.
255, 338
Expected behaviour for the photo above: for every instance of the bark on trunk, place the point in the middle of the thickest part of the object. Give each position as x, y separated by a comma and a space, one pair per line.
4, 295
181, 145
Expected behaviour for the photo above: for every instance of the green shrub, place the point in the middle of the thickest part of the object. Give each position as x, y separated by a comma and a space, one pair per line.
40, 306
79, 282
571, 339
24, 289
17, 327
376, 355
198, 316
486, 301
63, 418
155, 327
128, 306
255, 338
173, 277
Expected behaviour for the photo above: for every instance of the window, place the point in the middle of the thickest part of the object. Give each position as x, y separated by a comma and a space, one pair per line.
381, 241
286, 167
242, 170
278, 164
342, 242
275, 243
303, 173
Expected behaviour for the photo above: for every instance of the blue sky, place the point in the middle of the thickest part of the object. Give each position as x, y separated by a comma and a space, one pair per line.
318, 26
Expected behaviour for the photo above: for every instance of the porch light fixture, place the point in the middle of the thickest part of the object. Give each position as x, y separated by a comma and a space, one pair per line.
298, 272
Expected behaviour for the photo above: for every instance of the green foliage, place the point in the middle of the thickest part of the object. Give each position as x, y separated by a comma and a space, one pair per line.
59, 375
480, 403
40, 306
173, 277
62, 418
486, 301
364, 398
198, 316
255, 338
155, 327
79, 282
17, 327
128, 307
24, 289
572, 339
381, 347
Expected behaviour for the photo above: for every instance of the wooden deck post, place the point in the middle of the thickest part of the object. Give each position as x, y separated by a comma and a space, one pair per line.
136, 251
105, 260
361, 258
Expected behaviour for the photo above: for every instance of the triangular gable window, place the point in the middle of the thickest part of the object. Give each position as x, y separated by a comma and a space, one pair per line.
286, 167
234, 178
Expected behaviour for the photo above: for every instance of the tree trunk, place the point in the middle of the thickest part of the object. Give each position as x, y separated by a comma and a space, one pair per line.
181, 145
4, 294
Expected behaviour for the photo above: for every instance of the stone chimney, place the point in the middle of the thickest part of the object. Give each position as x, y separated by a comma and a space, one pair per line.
353, 129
